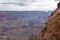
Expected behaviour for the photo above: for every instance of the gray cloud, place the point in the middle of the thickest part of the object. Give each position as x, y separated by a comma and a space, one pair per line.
17, 2
20, 5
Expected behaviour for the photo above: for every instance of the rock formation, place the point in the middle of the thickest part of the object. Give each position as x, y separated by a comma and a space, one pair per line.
51, 31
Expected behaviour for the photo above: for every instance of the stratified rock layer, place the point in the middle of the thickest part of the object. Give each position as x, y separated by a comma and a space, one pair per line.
51, 31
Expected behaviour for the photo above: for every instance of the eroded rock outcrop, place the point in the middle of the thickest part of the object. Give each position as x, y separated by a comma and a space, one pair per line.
51, 31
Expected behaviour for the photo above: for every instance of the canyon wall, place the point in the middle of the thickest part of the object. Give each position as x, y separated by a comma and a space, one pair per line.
51, 31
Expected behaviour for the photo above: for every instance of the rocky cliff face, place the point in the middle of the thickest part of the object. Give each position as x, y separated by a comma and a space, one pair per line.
51, 31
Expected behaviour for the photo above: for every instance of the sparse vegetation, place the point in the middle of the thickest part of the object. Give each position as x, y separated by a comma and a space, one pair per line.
58, 5
58, 36
34, 37
50, 38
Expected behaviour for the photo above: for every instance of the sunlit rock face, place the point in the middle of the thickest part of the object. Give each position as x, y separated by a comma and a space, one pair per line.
51, 31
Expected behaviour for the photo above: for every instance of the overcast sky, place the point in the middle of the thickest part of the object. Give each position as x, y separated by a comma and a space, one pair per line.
27, 5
